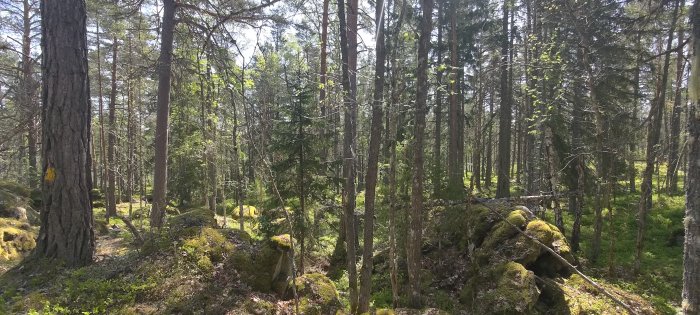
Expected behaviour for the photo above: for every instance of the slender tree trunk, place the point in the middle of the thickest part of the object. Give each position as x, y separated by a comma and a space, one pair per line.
28, 90
455, 168
323, 75
373, 161
160, 175
112, 138
103, 146
437, 145
415, 231
348, 44
691, 256
66, 218
578, 163
673, 151
392, 51
632, 171
653, 135
505, 114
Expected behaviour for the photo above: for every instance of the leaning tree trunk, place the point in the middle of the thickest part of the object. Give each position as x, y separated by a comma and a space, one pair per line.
373, 162
66, 218
160, 175
691, 256
653, 135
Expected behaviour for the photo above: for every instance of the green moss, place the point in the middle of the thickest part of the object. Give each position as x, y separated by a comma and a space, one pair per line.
209, 244
541, 231
384, 311
504, 230
282, 241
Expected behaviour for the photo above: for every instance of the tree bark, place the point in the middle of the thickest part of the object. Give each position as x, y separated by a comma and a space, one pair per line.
415, 218
373, 161
691, 256
505, 113
653, 134
66, 218
160, 176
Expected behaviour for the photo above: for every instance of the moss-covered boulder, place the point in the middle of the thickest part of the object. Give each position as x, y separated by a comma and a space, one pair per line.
317, 295
257, 306
508, 288
208, 248
191, 222
265, 266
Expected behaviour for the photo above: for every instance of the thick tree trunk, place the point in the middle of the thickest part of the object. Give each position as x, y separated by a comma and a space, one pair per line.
691, 256
653, 135
373, 161
160, 176
415, 226
66, 218
505, 113
112, 138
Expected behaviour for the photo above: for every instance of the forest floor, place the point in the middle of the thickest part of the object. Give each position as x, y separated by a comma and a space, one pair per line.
164, 277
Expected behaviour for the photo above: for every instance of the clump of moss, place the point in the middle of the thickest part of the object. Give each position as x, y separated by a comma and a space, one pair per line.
282, 242
17, 238
317, 295
505, 229
208, 248
514, 291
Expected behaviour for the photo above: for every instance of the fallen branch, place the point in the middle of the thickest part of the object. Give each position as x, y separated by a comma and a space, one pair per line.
131, 228
561, 259
518, 199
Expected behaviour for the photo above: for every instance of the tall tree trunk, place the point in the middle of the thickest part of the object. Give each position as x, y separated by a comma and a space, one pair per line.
505, 113
66, 230
28, 90
415, 218
437, 145
112, 137
373, 161
323, 75
478, 128
103, 145
348, 47
673, 151
578, 164
455, 168
632, 171
160, 176
691, 256
653, 135
394, 117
